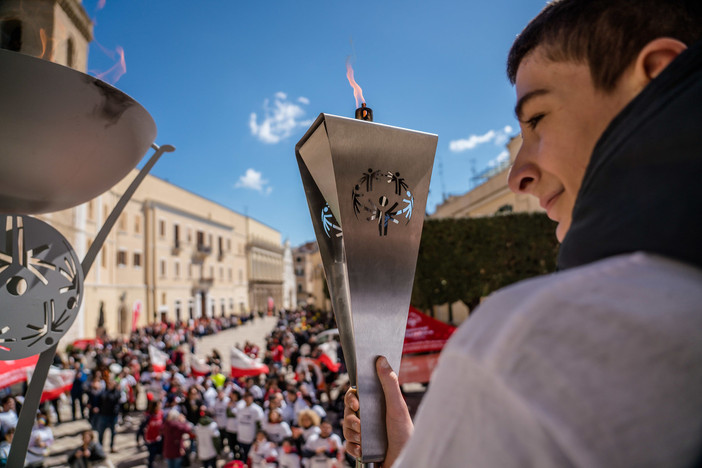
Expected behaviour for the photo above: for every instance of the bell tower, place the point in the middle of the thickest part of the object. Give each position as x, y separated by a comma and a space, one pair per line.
55, 30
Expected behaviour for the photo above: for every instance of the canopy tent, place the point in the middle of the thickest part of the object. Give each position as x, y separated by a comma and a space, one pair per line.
425, 334
425, 337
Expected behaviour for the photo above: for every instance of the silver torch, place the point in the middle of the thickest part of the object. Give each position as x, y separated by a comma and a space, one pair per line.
366, 186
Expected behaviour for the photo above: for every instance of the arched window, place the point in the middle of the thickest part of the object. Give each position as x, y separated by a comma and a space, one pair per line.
11, 35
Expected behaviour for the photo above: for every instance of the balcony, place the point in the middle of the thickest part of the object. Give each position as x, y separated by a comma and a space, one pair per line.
204, 283
201, 252
177, 248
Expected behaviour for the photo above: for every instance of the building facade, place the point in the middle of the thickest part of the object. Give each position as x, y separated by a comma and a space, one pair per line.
492, 197
309, 277
265, 267
172, 255
56, 30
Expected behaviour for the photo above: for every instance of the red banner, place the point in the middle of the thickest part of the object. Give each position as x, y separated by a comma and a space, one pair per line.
136, 311
15, 371
425, 334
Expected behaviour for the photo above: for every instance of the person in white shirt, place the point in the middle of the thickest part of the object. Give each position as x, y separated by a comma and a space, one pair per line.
287, 456
207, 434
322, 448
276, 429
263, 452
293, 405
39, 442
220, 409
232, 425
309, 422
249, 419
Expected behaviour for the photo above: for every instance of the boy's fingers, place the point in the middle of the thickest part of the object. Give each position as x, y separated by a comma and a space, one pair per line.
351, 400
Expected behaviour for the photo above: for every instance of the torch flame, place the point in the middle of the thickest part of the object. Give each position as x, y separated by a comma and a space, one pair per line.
357, 91
115, 72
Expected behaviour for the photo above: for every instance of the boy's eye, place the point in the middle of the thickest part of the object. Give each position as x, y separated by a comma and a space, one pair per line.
532, 122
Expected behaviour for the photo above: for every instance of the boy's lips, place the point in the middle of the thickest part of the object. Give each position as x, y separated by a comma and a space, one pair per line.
548, 201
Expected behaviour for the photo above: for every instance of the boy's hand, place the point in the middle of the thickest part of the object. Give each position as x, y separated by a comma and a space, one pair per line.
397, 419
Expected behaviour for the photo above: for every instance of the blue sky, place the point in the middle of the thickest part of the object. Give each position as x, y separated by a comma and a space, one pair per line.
234, 84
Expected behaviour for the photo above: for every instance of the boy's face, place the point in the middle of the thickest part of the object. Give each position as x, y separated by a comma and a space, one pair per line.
561, 116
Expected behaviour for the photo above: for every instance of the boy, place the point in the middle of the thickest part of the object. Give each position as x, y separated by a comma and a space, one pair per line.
601, 363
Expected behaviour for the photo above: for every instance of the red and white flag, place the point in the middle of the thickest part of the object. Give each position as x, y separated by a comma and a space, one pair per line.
57, 382
158, 359
328, 357
244, 366
198, 366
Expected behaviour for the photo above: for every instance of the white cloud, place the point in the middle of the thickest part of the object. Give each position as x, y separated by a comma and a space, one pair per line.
280, 118
499, 160
499, 137
254, 180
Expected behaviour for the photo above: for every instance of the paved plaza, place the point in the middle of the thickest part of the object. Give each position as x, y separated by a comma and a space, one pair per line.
67, 435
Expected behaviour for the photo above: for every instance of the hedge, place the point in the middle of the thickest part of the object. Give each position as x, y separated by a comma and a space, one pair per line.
466, 259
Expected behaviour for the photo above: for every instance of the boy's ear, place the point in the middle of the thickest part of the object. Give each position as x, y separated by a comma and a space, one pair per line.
654, 57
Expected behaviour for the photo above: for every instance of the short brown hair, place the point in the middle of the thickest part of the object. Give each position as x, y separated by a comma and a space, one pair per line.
605, 34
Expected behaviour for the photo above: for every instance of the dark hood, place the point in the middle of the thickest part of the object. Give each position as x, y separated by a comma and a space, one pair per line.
642, 190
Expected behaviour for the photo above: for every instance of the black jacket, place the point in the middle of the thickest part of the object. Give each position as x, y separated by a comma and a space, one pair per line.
642, 190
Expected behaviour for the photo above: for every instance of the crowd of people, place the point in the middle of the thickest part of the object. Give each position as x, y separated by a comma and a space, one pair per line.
286, 416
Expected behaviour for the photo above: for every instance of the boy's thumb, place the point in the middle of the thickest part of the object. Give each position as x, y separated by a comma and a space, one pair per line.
394, 402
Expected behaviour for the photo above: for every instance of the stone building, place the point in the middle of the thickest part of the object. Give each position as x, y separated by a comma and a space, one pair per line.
491, 197
56, 30
172, 255
309, 276
265, 263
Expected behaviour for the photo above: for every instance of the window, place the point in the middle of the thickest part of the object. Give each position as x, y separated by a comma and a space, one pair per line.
137, 259
103, 261
122, 258
177, 310
70, 52
11, 35
212, 272
163, 298
137, 224
176, 269
200, 238
176, 236
231, 274
163, 269
190, 270
221, 273
91, 209
122, 226
229, 245
241, 275
190, 235
220, 244
161, 228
